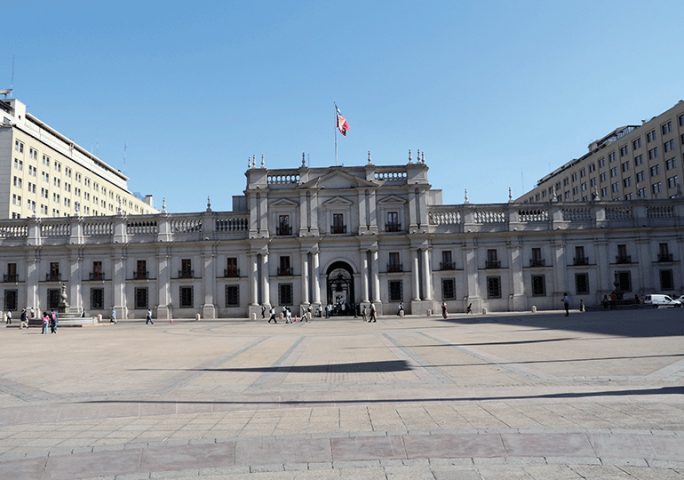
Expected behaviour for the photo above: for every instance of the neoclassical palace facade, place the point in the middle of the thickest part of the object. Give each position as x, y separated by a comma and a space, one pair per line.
344, 236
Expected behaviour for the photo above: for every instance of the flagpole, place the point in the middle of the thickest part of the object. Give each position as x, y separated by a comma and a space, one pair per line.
335, 128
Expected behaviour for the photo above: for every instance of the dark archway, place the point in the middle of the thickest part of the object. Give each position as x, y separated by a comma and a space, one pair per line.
340, 283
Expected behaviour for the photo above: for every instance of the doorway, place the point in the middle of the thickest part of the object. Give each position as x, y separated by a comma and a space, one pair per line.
340, 283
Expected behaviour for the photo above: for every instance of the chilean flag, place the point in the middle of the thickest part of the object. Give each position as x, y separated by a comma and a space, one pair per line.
342, 123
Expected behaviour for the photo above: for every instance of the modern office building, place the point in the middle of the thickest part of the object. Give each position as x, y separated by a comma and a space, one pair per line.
344, 236
45, 174
631, 162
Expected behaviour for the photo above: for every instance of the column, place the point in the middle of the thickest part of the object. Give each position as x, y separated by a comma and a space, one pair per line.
412, 210
416, 275
363, 224
372, 212
263, 213
364, 276
316, 278
164, 285
266, 300
119, 285
32, 271
253, 279
314, 211
376, 277
303, 214
253, 217
305, 277
75, 281
427, 274
209, 280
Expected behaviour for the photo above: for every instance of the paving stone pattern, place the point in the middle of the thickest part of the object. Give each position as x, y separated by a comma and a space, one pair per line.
598, 395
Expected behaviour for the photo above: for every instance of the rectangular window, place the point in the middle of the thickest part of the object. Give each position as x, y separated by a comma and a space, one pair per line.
186, 297
231, 267
285, 294
651, 136
53, 297
681, 120
395, 288
338, 225
284, 268
666, 128
653, 153
640, 177
623, 280
611, 157
392, 222
668, 146
97, 298
232, 295
657, 188
623, 151
493, 287
448, 289
636, 144
670, 163
53, 274
666, 280
11, 300
654, 170
186, 268
641, 193
638, 160
447, 262
581, 283
538, 285
601, 162
627, 182
141, 270
141, 298
284, 227
394, 264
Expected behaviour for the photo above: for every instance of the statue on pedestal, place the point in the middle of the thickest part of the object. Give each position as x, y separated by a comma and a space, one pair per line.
63, 304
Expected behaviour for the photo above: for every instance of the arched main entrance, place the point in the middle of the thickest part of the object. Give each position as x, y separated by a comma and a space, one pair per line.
340, 287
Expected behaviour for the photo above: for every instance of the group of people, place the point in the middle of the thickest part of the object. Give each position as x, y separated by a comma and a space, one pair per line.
287, 314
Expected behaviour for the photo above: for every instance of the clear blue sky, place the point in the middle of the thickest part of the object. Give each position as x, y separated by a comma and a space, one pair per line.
497, 93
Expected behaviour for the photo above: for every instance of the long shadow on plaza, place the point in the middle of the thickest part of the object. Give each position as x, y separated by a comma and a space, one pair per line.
623, 323
677, 390
357, 367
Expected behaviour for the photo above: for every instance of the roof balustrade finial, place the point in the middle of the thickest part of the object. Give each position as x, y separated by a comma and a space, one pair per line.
465, 197
369, 157
263, 163
163, 205
510, 195
422, 157
409, 156
208, 203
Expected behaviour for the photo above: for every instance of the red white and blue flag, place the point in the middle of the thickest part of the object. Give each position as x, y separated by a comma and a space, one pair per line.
342, 123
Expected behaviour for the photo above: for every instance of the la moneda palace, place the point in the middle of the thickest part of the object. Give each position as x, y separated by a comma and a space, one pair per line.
343, 236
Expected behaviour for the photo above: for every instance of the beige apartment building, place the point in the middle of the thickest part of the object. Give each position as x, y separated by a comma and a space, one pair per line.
45, 174
631, 162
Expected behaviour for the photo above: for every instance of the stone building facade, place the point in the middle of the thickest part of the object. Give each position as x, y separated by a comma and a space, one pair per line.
344, 236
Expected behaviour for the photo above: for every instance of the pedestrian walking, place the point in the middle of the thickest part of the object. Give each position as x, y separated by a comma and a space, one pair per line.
307, 315
263, 311
400, 311
373, 312
566, 304
8, 318
364, 313
53, 321
445, 313
288, 315
148, 317
112, 319
46, 323
273, 316
24, 319
582, 308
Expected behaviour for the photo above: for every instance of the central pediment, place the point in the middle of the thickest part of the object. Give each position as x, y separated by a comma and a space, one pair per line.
338, 179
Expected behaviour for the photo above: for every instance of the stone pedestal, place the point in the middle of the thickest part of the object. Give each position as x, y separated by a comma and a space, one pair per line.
208, 311
164, 312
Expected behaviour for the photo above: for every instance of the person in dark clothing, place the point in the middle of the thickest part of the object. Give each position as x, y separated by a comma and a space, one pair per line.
53, 322
445, 313
373, 318
566, 304
273, 316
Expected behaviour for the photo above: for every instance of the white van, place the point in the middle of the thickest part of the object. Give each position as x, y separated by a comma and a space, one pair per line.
661, 300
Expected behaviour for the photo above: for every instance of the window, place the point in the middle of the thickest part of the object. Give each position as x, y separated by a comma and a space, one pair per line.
651, 136
18, 146
657, 188
284, 227
392, 222
673, 181
611, 157
641, 193
654, 170
141, 298
97, 298
395, 288
603, 177
53, 274
447, 262
338, 225
580, 259
538, 286
232, 295
636, 144
140, 270
284, 294
653, 153
668, 146
284, 268
186, 268
627, 182
53, 297
493, 287
581, 283
592, 182
625, 167
33, 154
448, 289
623, 151
638, 160
640, 177
186, 297
664, 254
666, 128
492, 259
681, 120
536, 259
394, 264
11, 300
666, 280
601, 162
97, 273
670, 163
231, 267
614, 187
623, 280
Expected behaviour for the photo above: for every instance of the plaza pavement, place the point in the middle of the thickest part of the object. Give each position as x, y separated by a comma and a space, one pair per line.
598, 395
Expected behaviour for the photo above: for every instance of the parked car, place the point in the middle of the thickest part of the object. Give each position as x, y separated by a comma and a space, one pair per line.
662, 300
